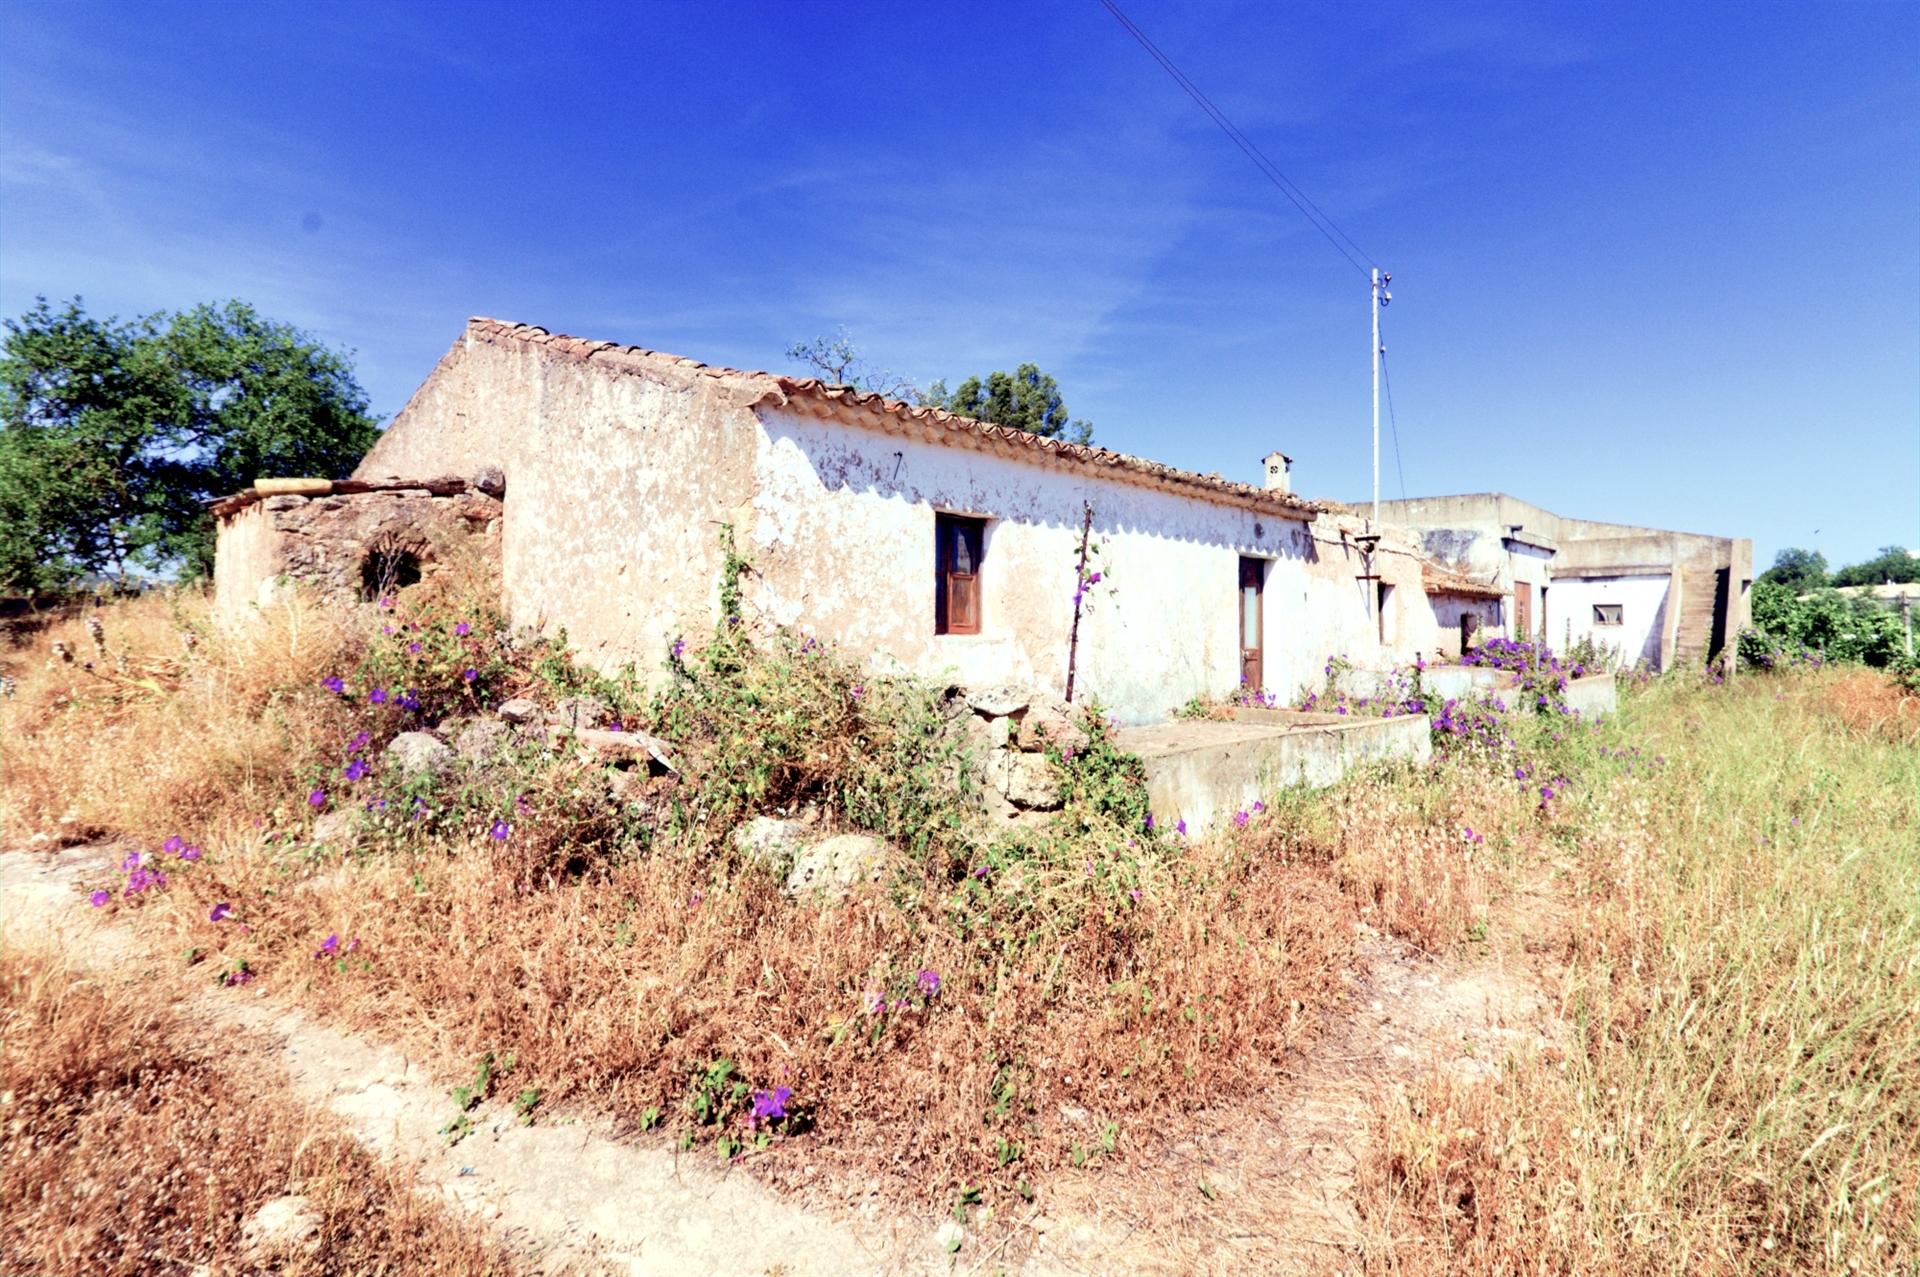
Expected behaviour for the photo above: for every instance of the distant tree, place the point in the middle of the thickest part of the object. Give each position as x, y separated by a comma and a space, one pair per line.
114, 435
1797, 569
838, 361
1893, 563
1025, 398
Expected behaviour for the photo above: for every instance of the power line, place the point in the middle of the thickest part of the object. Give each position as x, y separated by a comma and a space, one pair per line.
1357, 257
1386, 379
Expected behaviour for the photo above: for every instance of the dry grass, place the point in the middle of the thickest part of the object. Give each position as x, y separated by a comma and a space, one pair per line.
1744, 1090
125, 1150
617, 982
147, 734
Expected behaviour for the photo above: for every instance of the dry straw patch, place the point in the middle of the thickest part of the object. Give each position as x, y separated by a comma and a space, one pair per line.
1745, 1096
126, 1150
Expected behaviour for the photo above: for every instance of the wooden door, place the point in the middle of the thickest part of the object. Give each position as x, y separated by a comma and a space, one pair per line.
1523, 609
1252, 624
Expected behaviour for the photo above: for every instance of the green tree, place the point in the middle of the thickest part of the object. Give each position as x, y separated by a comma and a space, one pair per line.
1025, 398
114, 435
1893, 563
1797, 569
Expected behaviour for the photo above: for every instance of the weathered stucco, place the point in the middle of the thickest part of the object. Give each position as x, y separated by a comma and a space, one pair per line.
1643, 605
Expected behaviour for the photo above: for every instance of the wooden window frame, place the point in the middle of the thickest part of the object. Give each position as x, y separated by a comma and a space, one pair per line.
949, 586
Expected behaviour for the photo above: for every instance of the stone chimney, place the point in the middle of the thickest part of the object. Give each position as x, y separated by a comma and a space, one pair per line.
1279, 472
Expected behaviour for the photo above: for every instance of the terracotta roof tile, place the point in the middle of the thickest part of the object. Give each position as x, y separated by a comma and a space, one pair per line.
1439, 580
847, 403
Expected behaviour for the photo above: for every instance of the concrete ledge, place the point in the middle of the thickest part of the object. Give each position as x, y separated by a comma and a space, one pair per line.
1594, 695
1204, 771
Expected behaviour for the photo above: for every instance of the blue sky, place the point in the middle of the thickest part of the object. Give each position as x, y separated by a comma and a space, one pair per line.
1656, 263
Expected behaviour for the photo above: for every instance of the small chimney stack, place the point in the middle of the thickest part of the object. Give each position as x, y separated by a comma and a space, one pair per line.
1279, 473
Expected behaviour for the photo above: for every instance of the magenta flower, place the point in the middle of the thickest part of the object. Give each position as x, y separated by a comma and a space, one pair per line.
1240, 819
928, 982
173, 845
220, 912
336, 685
100, 898
357, 769
615, 726
190, 852
679, 648
875, 1003
499, 831
131, 863
1149, 823
358, 743
328, 946
859, 690
387, 601
413, 647
463, 629
318, 798
378, 696
1259, 806
1180, 827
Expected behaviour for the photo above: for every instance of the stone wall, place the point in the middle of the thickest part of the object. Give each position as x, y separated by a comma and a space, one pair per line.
342, 545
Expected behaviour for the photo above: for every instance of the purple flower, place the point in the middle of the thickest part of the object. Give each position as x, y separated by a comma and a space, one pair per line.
190, 852
378, 696
387, 601
875, 1004
1094, 579
771, 1106
131, 863
462, 629
859, 690
468, 675
100, 898
1149, 823
173, 845
358, 743
336, 685
1240, 820
1180, 827
414, 647
220, 912
928, 982
615, 726
1259, 806
499, 831
679, 647
981, 873
409, 702
330, 945
357, 769
318, 798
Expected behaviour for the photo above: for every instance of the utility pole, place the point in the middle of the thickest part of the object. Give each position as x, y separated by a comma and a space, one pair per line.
1374, 295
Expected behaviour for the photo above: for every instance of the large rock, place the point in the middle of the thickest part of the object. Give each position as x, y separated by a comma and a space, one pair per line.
1024, 780
482, 740
834, 867
578, 712
338, 829
282, 1228
417, 753
999, 702
519, 710
1054, 724
772, 840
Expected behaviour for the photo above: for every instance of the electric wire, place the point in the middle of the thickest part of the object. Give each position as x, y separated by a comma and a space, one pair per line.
1386, 380
1308, 209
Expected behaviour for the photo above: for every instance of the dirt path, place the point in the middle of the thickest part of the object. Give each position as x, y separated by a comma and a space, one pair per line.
1272, 1189
1266, 1188
568, 1190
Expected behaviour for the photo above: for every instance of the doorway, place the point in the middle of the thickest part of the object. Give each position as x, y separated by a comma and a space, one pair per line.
1253, 580
1523, 609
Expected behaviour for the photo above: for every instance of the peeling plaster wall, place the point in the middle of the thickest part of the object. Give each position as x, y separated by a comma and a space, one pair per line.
1449, 608
244, 558
470, 413
842, 543
1643, 606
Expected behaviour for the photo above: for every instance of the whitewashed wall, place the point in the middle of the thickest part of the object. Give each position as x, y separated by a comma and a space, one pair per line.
1643, 604
842, 541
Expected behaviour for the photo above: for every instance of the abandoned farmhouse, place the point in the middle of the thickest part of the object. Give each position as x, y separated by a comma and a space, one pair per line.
936, 544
